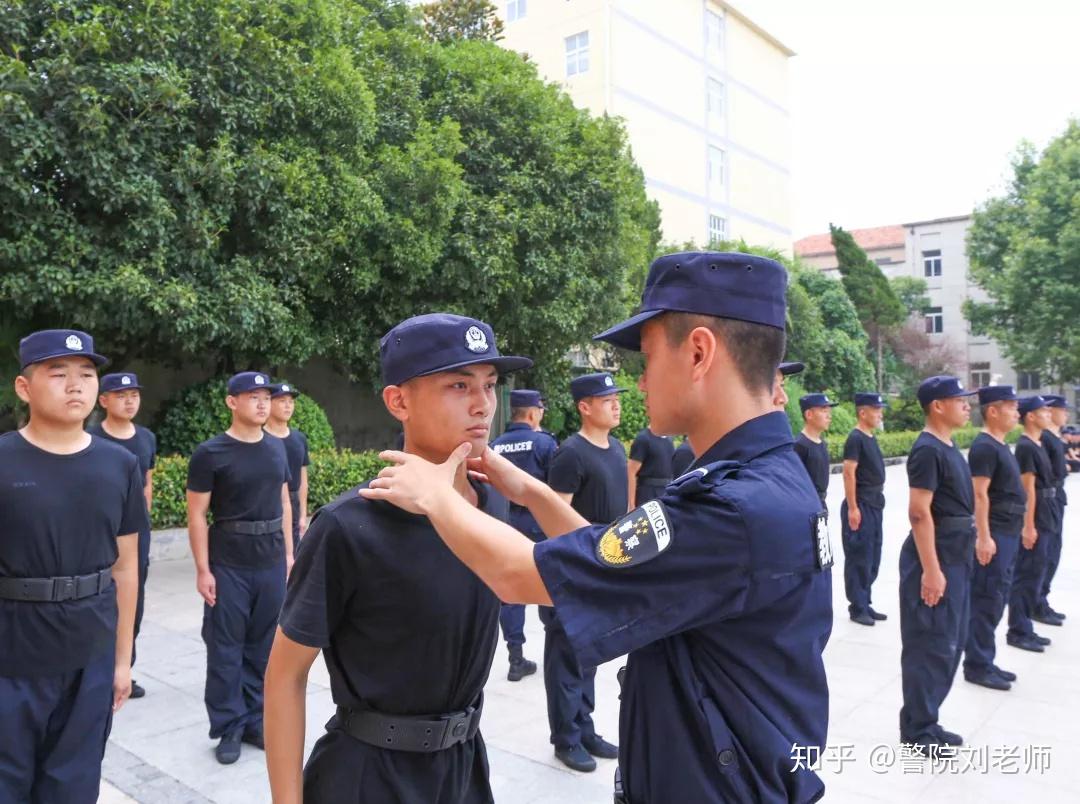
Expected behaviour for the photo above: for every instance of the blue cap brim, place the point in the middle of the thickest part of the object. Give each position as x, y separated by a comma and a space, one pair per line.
503, 364
98, 360
123, 388
627, 334
293, 394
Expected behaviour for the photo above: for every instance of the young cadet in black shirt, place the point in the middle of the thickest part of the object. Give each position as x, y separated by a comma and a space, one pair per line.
120, 396
1040, 521
408, 631
682, 459
649, 467
71, 506
1056, 449
589, 472
935, 565
999, 516
862, 511
282, 407
241, 477
810, 444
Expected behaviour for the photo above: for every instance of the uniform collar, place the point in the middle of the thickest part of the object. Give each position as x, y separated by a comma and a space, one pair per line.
517, 426
750, 439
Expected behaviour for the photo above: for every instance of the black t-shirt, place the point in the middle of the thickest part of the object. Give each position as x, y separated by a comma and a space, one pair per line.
60, 515
683, 458
298, 455
143, 445
595, 476
936, 466
1034, 459
815, 457
988, 457
870, 471
405, 627
1055, 450
654, 453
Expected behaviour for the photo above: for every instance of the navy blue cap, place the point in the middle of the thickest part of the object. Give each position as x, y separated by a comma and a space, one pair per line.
599, 384
525, 398
248, 381
1030, 403
49, 343
990, 394
283, 389
787, 369
943, 386
870, 399
1056, 401
121, 381
725, 285
815, 401
434, 342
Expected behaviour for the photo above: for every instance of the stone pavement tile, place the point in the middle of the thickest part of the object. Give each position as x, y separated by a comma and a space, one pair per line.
972, 788
110, 795
519, 780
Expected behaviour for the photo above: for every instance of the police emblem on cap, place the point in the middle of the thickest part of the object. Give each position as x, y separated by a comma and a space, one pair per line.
640, 536
476, 340
259, 380
125, 380
285, 388
73, 342
608, 381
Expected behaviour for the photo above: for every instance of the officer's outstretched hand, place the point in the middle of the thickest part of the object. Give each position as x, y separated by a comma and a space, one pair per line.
121, 685
206, 583
509, 480
933, 586
413, 484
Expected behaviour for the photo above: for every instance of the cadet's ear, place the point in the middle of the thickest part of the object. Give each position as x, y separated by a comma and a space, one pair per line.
230, 402
22, 386
703, 350
394, 398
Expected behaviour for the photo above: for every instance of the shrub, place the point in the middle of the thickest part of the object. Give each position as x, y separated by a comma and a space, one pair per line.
170, 498
632, 403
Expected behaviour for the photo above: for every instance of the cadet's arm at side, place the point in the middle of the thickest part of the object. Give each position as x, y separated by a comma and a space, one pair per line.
286, 526
284, 711
632, 469
981, 485
922, 528
125, 573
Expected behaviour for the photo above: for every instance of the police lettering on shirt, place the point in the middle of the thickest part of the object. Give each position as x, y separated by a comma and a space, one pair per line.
521, 446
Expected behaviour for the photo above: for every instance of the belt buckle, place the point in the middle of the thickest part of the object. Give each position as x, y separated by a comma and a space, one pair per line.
63, 589
457, 727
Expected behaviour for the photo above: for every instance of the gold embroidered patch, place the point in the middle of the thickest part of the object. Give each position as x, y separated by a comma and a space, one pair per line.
611, 549
638, 537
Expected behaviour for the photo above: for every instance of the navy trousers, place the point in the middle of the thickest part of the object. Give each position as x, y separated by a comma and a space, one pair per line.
144, 572
52, 734
512, 620
1053, 557
238, 631
862, 555
932, 640
571, 688
1027, 584
294, 506
990, 588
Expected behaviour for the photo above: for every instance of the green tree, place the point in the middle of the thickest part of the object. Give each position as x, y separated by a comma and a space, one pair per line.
447, 20
875, 301
911, 291
1024, 250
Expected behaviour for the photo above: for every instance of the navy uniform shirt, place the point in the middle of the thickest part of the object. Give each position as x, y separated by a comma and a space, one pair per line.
682, 459
60, 516
936, 466
870, 471
532, 451
716, 592
1055, 450
297, 455
594, 475
990, 458
1033, 459
815, 457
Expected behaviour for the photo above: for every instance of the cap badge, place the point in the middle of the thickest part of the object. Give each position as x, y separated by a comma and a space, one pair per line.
476, 340
285, 388
125, 380
259, 380
609, 382
73, 342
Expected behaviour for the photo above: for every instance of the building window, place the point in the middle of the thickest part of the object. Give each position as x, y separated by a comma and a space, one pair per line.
1028, 380
716, 170
934, 322
515, 10
577, 53
980, 375
931, 261
714, 36
714, 102
717, 229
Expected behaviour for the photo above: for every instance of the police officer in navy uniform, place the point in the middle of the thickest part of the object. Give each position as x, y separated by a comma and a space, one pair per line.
862, 511
810, 444
999, 516
120, 397
71, 506
241, 477
1055, 448
529, 448
719, 590
935, 565
649, 466
1040, 523
282, 406
408, 631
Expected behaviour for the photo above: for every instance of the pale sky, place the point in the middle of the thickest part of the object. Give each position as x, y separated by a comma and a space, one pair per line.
905, 111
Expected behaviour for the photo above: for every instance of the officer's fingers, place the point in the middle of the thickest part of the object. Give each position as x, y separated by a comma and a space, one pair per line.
393, 456
374, 493
460, 454
479, 476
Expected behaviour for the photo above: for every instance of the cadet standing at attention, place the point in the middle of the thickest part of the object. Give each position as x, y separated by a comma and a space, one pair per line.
861, 512
1040, 521
810, 444
120, 396
999, 517
720, 590
783, 371
408, 632
648, 469
1055, 449
241, 477
529, 448
935, 565
282, 407
71, 506
589, 472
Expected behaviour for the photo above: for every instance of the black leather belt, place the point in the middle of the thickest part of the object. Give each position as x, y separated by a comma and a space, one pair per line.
55, 590
869, 491
953, 523
653, 481
422, 734
250, 527
1008, 508
1047, 494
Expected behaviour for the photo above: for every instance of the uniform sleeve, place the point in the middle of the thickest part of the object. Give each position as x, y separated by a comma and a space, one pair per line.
544, 456
565, 475
320, 584
852, 448
608, 611
639, 449
153, 448
200, 478
1025, 456
924, 471
982, 458
135, 518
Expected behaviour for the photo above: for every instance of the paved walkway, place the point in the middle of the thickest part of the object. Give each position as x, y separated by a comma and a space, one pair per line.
1022, 743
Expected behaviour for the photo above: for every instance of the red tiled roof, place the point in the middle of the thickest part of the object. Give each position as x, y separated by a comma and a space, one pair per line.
868, 239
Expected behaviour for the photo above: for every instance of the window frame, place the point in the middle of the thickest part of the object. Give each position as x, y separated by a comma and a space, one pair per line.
577, 54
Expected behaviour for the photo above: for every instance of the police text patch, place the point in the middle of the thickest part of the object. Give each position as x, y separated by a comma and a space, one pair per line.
822, 542
640, 536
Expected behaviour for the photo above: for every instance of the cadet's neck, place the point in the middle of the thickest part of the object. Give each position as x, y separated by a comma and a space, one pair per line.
251, 433
118, 428
461, 477
597, 436
864, 428
939, 430
812, 433
277, 427
995, 433
1034, 433
59, 439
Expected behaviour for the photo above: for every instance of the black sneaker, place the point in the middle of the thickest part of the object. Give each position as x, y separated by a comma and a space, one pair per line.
576, 758
1053, 613
599, 747
989, 679
1005, 674
519, 668
253, 735
1024, 642
1040, 639
1046, 618
862, 618
137, 691
948, 737
228, 750
877, 615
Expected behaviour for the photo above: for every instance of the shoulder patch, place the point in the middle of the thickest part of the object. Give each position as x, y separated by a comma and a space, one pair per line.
822, 542
640, 536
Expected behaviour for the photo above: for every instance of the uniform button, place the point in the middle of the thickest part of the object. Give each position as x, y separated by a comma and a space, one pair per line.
725, 757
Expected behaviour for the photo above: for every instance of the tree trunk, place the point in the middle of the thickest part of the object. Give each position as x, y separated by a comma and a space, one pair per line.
880, 362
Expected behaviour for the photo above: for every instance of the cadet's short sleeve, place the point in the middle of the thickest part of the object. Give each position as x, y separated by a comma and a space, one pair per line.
135, 518
924, 469
639, 449
565, 473
153, 448
608, 611
852, 448
200, 478
306, 460
319, 584
982, 459
1025, 456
